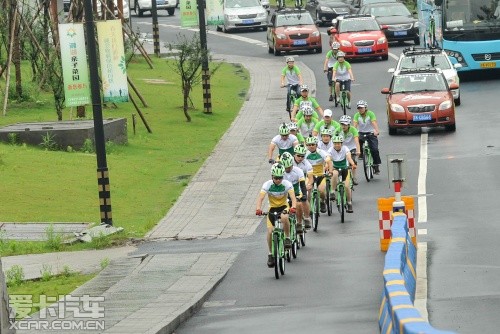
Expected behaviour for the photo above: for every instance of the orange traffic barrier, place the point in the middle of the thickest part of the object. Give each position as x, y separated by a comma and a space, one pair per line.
385, 220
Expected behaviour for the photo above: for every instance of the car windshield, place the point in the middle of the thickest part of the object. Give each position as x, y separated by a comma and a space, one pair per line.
294, 19
390, 10
358, 25
418, 83
241, 3
439, 61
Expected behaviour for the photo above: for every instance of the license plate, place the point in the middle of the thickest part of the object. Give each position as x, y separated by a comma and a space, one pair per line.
364, 50
489, 64
300, 42
247, 21
422, 117
400, 33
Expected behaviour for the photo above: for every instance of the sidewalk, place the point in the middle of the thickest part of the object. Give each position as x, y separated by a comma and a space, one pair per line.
155, 293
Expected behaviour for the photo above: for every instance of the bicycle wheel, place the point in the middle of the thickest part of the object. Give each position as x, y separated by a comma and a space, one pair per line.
282, 254
276, 255
295, 247
302, 238
343, 102
328, 198
316, 211
342, 203
366, 166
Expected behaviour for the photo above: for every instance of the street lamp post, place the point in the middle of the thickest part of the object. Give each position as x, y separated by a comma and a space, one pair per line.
205, 71
100, 147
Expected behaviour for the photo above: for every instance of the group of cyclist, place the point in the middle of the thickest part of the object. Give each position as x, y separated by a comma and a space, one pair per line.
313, 145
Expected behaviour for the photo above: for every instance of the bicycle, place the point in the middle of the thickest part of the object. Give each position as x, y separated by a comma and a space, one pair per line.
344, 97
433, 43
328, 197
278, 244
291, 99
367, 157
315, 200
293, 238
341, 194
333, 93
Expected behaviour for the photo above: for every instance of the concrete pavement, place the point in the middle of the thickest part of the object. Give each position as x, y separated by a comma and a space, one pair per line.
142, 293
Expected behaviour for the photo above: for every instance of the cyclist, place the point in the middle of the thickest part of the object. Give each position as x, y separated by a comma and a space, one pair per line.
341, 157
307, 123
284, 141
294, 130
305, 100
293, 76
366, 123
351, 141
326, 139
306, 167
326, 122
321, 163
330, 59
342, 71
296, 176
277, 191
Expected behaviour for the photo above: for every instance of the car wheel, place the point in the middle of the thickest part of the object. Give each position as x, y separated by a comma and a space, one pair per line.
218, 28
451, 127
385, 57
457, 101
319, 50
269, 49
171, 11
224, 29
276, 51
392, 131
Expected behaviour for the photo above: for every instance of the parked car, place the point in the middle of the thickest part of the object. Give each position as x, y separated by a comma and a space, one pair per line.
419, 98
291, 30
360, 36
401, 25
326, 10
412, 58
243, 14
141, 6
355, 5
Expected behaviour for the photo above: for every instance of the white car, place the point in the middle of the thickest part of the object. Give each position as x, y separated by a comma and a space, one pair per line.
141, 6
243, 14
412, 58
126, 11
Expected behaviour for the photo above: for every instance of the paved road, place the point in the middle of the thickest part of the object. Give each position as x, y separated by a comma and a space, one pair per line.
460, 224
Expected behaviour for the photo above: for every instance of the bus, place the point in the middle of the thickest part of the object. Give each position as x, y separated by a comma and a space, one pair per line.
469, 32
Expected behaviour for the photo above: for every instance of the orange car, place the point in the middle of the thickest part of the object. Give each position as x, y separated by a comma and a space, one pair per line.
360, 36
420, 98
291, 30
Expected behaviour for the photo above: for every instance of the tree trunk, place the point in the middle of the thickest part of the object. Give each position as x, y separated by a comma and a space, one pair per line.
186, 99
16, 59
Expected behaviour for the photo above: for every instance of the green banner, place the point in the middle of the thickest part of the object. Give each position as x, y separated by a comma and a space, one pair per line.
215, 12
189, 13
112, 59
74, 64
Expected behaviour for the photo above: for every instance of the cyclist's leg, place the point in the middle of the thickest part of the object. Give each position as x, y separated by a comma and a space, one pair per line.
335, 178
296, 88
288, 106
330, 82
337, 89
373, 143
347, 177
286, 228
270, 228
353, 172
348, 89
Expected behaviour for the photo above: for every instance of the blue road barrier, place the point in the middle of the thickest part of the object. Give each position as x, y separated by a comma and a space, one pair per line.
397, 313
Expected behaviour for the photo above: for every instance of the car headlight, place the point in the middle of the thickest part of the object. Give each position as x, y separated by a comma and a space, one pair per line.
315, 33
416, 25
280, 36
345, 43
458, 56
382, 40
397, 108
325, 9
445, 105
262, 15
232, 17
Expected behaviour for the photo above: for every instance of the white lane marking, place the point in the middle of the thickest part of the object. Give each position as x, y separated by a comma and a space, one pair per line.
422, 231
422, 289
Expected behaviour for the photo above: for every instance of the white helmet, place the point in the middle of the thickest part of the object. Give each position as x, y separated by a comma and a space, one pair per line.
335, 45
340, 54
362, 103
345, 119
303, 88
292, 126
290, 59
307, 110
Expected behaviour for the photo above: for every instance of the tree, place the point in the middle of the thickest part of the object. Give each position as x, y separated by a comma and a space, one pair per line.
188, 60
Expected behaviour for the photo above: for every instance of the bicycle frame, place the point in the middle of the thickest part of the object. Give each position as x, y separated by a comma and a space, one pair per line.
344, 99
278, 245
315, 200
341, 194
291, 99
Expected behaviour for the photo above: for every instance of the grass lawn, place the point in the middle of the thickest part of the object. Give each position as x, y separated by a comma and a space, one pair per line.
146, 176
50, 290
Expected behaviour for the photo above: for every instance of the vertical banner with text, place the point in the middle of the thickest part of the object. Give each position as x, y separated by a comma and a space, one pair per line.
74, 64
112, 59
189, 13
215, 12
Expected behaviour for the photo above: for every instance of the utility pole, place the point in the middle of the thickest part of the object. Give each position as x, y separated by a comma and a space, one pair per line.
156, 30
205, 71
100, 147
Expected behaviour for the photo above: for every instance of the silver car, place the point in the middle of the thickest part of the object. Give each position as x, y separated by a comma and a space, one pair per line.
412, 58
243, 14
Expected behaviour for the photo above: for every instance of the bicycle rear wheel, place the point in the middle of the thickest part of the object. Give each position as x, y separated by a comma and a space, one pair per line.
316, 211
366, 166
328, 198
302, 238
276, 255
342, 203
282, 255
343, 102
